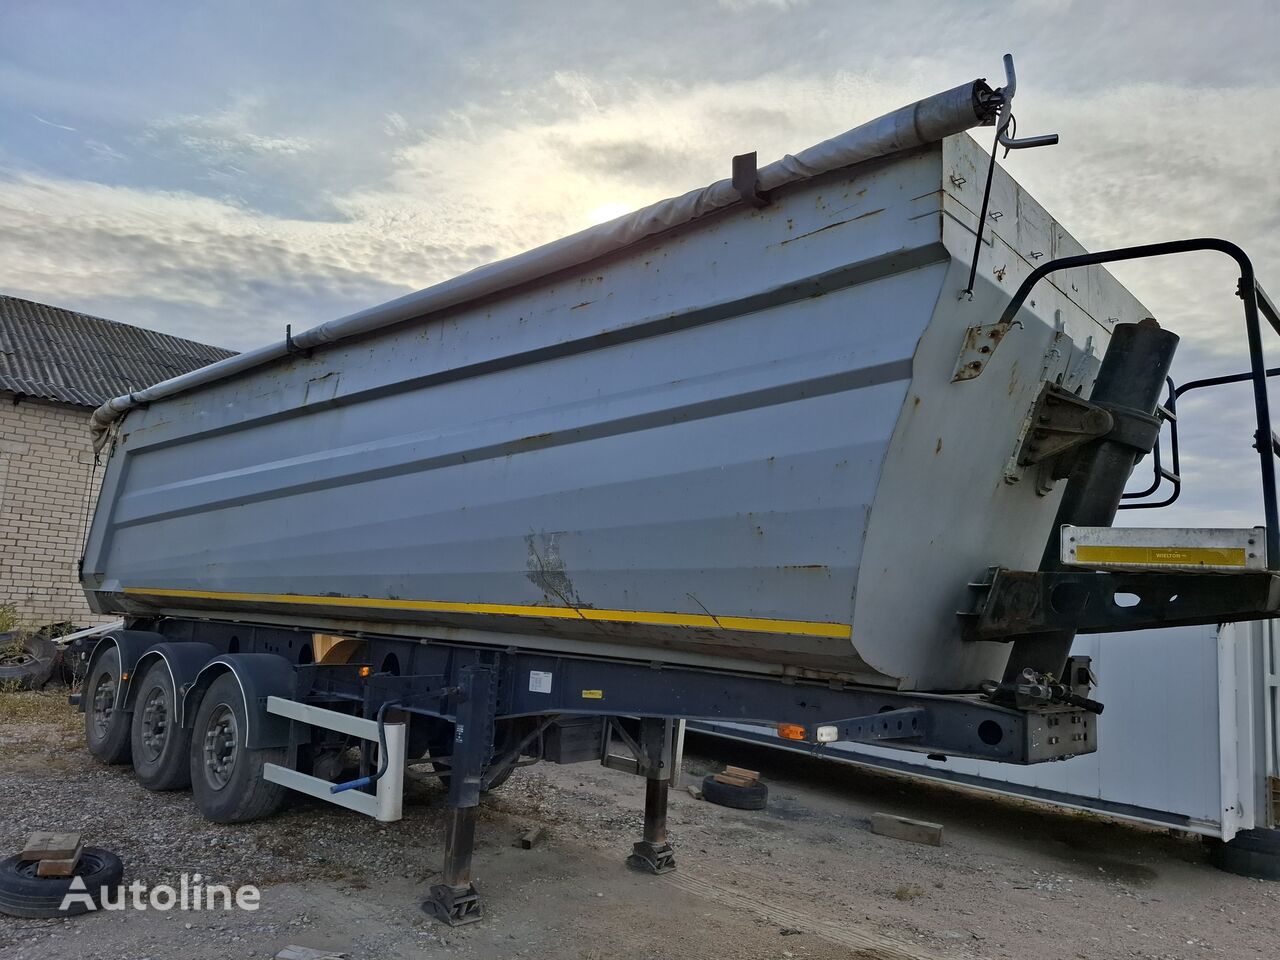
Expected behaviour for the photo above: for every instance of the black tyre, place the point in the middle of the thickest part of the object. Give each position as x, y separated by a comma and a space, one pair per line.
226, 776
161, 746
106, 728
27, 661
751, 797
23, 894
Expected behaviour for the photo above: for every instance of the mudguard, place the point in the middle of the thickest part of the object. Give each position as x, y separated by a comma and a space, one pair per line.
132, 644
260, 675
184, 662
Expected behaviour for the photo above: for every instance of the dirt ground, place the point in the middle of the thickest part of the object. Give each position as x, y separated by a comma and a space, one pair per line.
805, 879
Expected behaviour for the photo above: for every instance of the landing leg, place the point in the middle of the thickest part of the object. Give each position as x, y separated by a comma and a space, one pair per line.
455, 900
653, 854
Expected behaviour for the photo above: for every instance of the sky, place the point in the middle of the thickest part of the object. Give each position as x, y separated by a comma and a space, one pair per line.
220, 170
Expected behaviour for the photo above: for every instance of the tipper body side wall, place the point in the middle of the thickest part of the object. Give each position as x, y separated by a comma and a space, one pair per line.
736, 445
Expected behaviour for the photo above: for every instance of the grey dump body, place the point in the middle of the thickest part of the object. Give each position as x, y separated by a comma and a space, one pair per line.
711, 434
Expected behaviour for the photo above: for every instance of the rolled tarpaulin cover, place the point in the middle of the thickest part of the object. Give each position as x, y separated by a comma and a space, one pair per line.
926, 121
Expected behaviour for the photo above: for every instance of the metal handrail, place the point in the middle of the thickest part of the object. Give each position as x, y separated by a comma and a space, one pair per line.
1159, 474
1255, 302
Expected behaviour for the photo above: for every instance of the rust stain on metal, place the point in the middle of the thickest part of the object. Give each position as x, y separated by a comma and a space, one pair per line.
979, 343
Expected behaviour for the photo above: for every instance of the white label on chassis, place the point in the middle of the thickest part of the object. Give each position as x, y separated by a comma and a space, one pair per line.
539, 681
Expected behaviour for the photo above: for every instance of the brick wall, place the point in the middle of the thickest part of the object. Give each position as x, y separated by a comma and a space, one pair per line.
46, 468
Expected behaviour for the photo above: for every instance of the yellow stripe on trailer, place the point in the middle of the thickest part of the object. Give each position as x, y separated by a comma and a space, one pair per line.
804, 628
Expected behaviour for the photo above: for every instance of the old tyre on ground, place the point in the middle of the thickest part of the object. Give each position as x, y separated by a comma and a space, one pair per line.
23, 894
106, 726
27, 661
161, 746
753, 796
226, 776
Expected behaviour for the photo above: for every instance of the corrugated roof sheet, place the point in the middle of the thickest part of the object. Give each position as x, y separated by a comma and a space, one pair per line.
62, 355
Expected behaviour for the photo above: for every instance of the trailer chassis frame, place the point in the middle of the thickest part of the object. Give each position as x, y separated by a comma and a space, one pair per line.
475, 688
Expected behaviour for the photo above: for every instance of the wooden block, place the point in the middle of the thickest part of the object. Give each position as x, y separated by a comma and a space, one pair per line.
295, 952
532, 838
731, 780
59, 868
51, 846
751, 775
904, 828
694, 791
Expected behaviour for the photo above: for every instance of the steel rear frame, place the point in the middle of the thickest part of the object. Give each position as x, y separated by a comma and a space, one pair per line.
475, 689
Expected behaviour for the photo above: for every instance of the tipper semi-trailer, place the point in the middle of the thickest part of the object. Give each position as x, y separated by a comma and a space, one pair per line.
835, 443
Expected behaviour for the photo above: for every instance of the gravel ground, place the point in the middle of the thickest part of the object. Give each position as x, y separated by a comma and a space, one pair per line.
804, 879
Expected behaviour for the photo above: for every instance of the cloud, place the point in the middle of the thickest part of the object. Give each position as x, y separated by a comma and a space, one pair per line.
537, 165
236, 274
748, 4
225, 135
396, 125
50, 123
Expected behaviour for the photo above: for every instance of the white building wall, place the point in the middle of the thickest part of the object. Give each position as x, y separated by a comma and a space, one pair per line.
47, 484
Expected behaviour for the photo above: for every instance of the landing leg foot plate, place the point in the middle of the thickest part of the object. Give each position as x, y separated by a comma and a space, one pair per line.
454, 905
652, 857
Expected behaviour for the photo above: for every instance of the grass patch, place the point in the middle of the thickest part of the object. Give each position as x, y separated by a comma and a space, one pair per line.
39, 706
908, 891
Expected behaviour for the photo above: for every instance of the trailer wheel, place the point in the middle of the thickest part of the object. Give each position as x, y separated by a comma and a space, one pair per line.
106, 726
226, 776
24, 894
161, 746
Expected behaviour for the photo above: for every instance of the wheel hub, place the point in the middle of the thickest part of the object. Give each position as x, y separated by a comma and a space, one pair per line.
155, 723
104, 702
220, 747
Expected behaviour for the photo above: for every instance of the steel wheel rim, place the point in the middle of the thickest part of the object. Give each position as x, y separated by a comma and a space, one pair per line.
89, 863
221, 746
104, 697
155, 723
